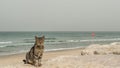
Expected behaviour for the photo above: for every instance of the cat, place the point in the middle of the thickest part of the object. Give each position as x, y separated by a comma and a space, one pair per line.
35, 54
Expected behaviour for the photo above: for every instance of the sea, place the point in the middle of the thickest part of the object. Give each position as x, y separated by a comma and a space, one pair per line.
21, 42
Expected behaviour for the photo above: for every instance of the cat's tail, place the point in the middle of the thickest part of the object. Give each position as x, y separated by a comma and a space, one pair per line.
24, 61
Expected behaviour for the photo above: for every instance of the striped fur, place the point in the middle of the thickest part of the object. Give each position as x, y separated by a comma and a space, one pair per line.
34, 56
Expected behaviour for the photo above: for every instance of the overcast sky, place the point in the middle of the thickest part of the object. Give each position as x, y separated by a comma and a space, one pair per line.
59, 15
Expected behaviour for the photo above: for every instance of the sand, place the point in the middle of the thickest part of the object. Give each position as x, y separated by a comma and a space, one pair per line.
88, 57
15, 61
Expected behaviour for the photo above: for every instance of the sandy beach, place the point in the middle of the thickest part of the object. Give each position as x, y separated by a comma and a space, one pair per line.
89, 57
15, 61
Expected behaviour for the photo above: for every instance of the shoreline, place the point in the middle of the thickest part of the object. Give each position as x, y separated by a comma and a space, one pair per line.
44, 51
51, 50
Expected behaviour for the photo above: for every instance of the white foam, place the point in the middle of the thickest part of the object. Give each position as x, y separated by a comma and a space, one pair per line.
63, 49
90, 40
8, 42
1, 46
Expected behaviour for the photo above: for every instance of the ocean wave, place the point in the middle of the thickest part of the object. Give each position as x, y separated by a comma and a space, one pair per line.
58, 49
16, 45
30, 40
53, 40
1, 46
8, 42
94, 40
50, 38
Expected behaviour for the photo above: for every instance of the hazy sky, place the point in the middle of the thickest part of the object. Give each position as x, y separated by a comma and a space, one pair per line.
59, 15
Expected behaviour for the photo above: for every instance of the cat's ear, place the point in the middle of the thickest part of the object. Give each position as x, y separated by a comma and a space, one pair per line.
35, 37
43, 37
